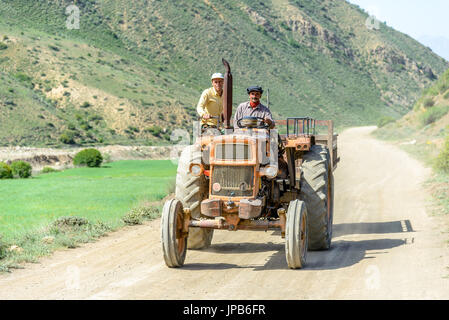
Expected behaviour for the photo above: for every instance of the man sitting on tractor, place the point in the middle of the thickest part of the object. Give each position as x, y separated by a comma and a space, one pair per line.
253, 108
210, 105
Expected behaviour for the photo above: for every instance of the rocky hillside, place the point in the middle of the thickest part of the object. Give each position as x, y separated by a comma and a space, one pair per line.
134, 70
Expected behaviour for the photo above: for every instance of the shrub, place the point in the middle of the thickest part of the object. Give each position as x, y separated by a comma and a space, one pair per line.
293, 43
133, 217
48, 170
54, 48
21, 169
85, 105
68, 225
137, 215
88, 157
432, 115
154, 130
68, 136
3, 46
442, 161
5, 171
428, 102
384, 121
23, 77
150, 212
71, 221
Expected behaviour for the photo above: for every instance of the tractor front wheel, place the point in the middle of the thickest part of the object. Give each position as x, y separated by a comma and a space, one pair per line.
296, 237
174, 241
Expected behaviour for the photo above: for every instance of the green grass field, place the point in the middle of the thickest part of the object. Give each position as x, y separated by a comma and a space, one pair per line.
103, 196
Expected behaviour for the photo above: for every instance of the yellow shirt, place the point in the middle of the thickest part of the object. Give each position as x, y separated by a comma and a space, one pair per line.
210, 103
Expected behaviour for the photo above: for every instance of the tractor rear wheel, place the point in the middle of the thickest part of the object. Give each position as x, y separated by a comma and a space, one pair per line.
191, 190
174, 242
317, 191
296, 235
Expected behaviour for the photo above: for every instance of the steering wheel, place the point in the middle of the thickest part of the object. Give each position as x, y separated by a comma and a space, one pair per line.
253, 122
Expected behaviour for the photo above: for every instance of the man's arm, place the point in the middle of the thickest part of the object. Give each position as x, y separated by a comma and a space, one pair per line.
237, 117
201, 107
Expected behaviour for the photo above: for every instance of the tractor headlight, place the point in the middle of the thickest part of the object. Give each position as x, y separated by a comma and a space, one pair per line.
196, 169
270, 172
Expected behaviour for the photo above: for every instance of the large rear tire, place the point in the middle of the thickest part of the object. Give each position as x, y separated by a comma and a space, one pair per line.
317, 191
174, 242
191, 190
296, 235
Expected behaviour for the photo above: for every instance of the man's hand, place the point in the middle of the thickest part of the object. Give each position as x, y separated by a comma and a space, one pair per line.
269, 122
206, 116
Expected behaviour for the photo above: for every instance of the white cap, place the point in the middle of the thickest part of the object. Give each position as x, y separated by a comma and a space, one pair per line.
217, 76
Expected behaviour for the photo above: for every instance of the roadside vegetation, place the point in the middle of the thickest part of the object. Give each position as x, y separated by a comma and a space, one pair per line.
424, 133
17, 169
61, 209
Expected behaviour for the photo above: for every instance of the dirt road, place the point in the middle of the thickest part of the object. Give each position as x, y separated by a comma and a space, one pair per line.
385, 246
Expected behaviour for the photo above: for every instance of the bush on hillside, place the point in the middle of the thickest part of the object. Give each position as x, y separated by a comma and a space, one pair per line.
442, 161
154, 130
428, 102
85, 105
67, 137
88, 157
443, 86
21, 169
384, 121
431, 115
5, 171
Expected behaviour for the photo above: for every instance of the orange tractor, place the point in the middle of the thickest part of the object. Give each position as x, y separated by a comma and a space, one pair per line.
251, 178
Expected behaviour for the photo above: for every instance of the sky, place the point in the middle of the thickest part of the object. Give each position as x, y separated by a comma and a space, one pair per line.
424, 20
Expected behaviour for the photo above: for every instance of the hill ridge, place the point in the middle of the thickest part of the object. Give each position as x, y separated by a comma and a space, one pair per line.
135, 70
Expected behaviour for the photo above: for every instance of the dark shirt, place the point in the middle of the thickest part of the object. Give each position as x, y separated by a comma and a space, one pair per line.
245, 110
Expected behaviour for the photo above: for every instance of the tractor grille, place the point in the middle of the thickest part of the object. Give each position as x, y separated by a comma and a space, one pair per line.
235, 181
237, 151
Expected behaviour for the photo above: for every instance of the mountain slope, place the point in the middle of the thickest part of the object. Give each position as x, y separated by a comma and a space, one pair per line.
424, 133
427, 125
135, 69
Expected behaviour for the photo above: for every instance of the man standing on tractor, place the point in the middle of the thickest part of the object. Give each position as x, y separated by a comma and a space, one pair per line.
210, 106
253, 108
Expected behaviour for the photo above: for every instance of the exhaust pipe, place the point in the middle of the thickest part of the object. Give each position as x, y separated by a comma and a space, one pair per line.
227, 95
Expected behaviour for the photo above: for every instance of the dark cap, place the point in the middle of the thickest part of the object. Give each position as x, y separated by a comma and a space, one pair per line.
254, 89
